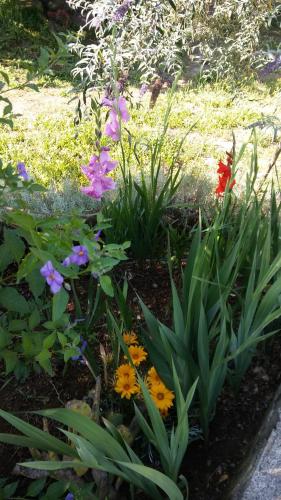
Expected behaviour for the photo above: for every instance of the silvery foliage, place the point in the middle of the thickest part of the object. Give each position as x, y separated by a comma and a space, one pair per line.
160, 37
148, 39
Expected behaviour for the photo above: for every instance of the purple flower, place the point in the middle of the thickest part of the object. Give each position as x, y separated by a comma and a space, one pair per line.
79, 256
143, 89
96, 171
53, 277
118, 110
22, 171
122, 10
67, 261
98, 235
84, 345
69, 496
271, 66
98, 186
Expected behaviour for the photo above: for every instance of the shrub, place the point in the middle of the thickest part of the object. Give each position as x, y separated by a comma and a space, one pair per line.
157, 39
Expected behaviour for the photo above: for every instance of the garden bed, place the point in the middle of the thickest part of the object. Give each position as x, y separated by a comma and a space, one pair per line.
210, 468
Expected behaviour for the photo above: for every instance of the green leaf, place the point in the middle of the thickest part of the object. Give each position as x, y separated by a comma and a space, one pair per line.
17, 325
60, 301
44, 361
106, 285
57, 489
6, 258
11, 299
36, 282
10, 359
10, 489
32, 86
15, 245
5, 76
34, 319
165, 483
69, 353
50, 340
62, 339
5, 338
36, 487
41, 439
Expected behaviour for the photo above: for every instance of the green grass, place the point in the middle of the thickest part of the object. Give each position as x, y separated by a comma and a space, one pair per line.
53, 148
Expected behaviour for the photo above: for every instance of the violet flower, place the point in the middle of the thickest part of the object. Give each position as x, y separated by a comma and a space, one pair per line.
79, 356
98, 186
97, 236
271, 66
22, 171
118, 110
96, 171
144, 88
122, 10
69, 496
53, 277
79, 256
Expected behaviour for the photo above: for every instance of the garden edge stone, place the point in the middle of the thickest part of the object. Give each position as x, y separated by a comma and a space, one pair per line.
258, 448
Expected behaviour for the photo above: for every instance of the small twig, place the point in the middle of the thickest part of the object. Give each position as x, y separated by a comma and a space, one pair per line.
96, 403
271, 165
57, 392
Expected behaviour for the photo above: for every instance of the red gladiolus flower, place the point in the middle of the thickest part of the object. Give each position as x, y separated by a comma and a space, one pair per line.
225, 174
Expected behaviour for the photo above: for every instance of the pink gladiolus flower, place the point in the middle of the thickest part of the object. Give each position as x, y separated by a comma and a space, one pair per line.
118, 111
96, 171
98, 186
53, 277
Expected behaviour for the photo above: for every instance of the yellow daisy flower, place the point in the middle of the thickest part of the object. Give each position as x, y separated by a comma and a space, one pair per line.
162, 397
153, 377
126, 387
125, 370
130, 338
138, 354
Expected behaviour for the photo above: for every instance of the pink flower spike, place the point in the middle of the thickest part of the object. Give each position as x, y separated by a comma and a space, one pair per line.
112, 127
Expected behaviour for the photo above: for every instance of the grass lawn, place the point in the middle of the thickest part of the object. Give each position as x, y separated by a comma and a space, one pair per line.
53, 148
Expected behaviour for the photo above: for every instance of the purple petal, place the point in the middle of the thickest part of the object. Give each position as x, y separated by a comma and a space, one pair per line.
108, 184
55, 287
122, 105
107, 102
67, 261
112, 129
47, 269
58, 278
97, 236
22, 171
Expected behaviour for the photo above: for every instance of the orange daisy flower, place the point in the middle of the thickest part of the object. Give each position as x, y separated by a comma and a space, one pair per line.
130, 338
126, 387
138, 354
125, 370
153, 377
162, 397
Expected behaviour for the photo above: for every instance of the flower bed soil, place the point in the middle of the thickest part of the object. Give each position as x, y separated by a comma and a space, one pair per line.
209, 467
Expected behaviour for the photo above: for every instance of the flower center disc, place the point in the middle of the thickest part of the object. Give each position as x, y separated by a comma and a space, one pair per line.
160, 395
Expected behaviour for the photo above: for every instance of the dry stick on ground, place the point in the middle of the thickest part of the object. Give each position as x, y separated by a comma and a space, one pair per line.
271, 165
